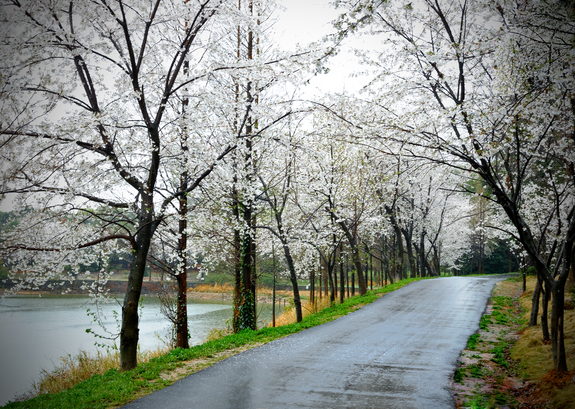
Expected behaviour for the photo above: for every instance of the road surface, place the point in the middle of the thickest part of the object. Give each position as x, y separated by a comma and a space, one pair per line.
398, 352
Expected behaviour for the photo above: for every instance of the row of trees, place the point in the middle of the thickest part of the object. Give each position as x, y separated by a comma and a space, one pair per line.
174, 129
487, 89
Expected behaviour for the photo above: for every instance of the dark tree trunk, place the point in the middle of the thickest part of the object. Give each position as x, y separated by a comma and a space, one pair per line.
557, 330
335, 288
182, 311
347, 281
330, 272
535, 302
353, 245
237, 259
570, 283
524, 277
254, 268
238, 281
408, 234
311, 287
381, 272
274, 290
371, 271
182, 276
545, 313
129, 332
247, 300
341, 282
294, 284
399, 268
421, 252
436, 260
247, 259
325, 283
354, 249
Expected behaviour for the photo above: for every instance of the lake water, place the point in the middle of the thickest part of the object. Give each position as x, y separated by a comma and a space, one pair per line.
36, 331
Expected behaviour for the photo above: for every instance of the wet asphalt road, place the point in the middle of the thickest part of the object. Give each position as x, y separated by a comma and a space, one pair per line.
398, 352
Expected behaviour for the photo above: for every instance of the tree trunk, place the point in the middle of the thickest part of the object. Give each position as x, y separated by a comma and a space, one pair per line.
353, 245
371, 271
182, 311
274, 290
535, 302
294, 284
557, 335
182, 276
330, 272
545, 313
237, 259
247, 319
422, 254
311, 287
400, 269
247, 301
335, 288
381, 272
436, 260
407, 234
347, 280
238, 281
129, 332
524, 277
341, 282
320, 284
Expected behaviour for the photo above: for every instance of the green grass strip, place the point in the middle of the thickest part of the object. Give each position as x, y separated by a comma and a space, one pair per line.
115, 388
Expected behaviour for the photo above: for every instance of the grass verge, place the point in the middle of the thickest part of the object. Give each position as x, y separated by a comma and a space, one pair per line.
506, 364
114, 388
485, 372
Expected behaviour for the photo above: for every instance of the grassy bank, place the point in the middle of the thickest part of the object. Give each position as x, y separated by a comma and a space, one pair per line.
507, 364
113, 388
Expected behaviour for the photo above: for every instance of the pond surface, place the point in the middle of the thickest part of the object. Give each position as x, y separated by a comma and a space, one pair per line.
36, 331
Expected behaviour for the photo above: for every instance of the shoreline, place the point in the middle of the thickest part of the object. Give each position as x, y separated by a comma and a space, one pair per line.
200, 295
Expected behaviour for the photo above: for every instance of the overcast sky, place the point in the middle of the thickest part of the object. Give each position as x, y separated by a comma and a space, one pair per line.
304, 21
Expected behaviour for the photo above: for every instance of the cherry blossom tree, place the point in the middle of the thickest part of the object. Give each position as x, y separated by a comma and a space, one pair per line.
486, 89
91, 128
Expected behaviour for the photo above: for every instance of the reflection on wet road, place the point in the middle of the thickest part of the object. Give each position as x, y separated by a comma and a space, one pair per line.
398, 352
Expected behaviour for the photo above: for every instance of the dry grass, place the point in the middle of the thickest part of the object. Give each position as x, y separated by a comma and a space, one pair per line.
289, 317
216, 288
536, 356
507, 288
75, 369
279, 293
228, 288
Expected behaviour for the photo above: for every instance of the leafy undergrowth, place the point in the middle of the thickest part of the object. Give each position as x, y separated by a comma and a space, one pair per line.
115, 388
506, 365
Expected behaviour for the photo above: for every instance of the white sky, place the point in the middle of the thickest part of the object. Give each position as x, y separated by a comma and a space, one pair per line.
304, 21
